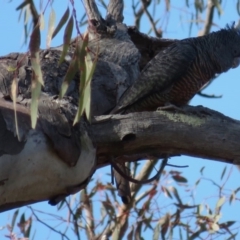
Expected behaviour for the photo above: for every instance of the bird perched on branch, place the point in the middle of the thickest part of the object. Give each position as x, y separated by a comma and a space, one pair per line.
178, 72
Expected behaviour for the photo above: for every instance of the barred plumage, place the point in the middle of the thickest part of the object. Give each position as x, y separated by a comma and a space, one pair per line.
177, 73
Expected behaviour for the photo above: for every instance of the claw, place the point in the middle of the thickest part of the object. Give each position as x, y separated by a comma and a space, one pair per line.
170, 107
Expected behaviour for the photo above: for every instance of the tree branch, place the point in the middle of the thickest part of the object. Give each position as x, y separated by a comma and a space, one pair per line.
199, 132
151, 20
115, 10
92, 10
209, 18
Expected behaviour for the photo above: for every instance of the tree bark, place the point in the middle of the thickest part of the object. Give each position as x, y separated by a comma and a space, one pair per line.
197, 132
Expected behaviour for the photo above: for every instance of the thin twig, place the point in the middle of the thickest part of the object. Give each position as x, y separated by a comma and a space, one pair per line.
130, 179
145, 172
138, 14
151, 20
53, 229
89, 216
92, 10
115, 10
209, 18
209, 95
74, 219
146, 193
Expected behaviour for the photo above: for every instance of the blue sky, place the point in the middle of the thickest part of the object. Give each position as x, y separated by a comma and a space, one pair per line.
175, 25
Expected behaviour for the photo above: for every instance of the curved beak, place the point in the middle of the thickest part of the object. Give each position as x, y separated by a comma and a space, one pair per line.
236, 62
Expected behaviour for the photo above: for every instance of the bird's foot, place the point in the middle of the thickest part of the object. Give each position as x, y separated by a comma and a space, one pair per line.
171, 107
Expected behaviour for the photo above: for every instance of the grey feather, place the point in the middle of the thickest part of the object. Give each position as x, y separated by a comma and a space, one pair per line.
177, 73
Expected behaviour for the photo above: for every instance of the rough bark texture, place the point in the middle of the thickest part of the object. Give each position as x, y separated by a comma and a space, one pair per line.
57, 159
198, 132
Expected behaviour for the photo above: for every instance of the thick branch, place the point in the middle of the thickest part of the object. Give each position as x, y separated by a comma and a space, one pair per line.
198, 132
39, 174
92, 10
115, 10
209, 18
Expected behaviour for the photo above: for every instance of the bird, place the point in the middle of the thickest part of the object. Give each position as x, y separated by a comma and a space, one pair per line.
179, 71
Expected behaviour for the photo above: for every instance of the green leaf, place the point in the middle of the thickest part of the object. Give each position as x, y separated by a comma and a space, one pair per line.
14, 87
35, 61
36, 90
11, 69
66, 39
197, 182
237, 190
22, 223
148, 222
156, 231
233, 236
200, 208
35, 41
214, 228
27, 15
166, 191
180, 234
218, 6
41, 22
22, 5
37, 79
62, 21
14, 218
72, 70
83, 78
26, 18
201, 170
103, 213
90, 68
165, 222
51, 22
229, 223
232, 197
109, 208
175, 192
179, 178
87, 67
130, 234
223, 172
60, 204
220, 202
82, 196
28, 231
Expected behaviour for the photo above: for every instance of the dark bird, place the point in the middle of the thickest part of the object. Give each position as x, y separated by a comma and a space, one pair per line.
178, 72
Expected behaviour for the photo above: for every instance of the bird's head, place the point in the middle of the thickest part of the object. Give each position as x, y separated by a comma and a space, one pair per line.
236, 45
228, 47
232, 44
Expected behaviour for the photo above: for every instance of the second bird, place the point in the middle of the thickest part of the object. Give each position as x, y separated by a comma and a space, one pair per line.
178, 72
